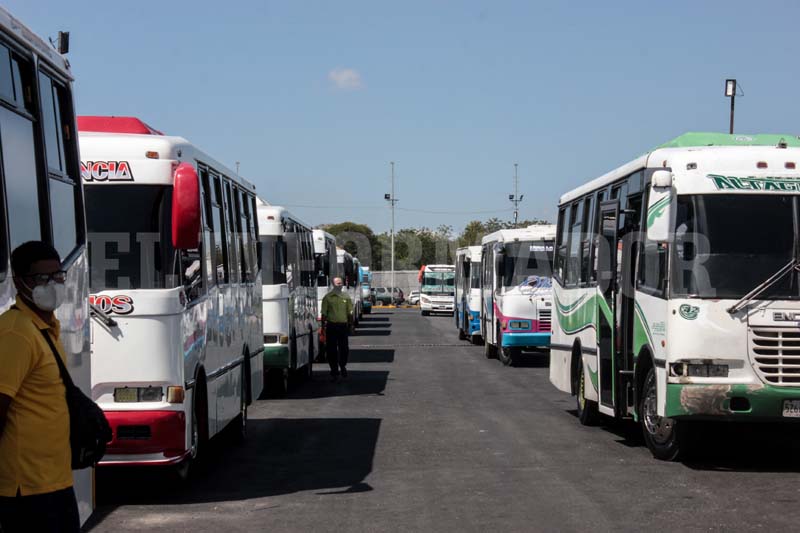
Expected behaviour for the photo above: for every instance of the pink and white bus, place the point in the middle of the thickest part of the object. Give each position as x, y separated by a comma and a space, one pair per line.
174, 267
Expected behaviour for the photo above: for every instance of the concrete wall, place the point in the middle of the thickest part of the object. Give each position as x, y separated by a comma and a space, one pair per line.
405, 280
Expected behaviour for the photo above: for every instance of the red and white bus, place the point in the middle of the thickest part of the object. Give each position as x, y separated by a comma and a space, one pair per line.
174, 266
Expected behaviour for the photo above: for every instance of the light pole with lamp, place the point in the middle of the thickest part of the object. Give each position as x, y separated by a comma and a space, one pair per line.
730, 92
392, 201
516, 198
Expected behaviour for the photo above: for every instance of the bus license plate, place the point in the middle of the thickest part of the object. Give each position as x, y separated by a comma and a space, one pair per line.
791, 408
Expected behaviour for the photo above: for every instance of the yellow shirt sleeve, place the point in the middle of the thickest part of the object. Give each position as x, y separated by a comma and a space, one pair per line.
16, 362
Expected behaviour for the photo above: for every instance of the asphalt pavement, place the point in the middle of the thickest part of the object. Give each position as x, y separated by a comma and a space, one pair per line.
428, 435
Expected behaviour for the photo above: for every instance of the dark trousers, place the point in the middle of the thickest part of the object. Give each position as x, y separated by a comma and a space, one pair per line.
336, 346
53, 512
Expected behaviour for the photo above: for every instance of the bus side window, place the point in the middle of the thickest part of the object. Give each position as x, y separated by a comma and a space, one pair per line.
232, 235
652, 265
561, 251
220, 241
573, 249
245, 257
586, 240
207, 246
595, 221
62, 173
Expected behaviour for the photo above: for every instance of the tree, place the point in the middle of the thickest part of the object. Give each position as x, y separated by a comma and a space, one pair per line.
357, 239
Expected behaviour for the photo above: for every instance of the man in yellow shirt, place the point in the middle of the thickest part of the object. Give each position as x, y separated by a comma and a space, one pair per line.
337, 315
36, 491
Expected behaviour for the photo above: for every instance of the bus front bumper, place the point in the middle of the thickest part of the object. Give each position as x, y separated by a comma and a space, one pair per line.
525, 340
155, 438
277, 356
732, 401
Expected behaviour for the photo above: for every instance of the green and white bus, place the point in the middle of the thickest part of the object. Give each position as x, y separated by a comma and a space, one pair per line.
677, 287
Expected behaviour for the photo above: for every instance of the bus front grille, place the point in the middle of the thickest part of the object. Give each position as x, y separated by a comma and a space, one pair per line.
544, 320
775, 353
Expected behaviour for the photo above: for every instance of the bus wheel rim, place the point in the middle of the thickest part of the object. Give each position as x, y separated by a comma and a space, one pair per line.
659, 428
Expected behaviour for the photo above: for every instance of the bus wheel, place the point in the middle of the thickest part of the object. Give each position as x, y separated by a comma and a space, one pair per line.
489, 350
240, 422
426, 313
665, 437
587, 409
461, 334
508, 355
278, 380
199, 435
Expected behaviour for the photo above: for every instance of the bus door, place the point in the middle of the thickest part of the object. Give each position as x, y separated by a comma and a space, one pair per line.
607, 287
626, 269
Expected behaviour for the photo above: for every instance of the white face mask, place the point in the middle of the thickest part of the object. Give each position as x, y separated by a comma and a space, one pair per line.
48, 297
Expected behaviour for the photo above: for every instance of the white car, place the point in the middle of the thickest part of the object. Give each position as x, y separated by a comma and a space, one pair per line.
413, 297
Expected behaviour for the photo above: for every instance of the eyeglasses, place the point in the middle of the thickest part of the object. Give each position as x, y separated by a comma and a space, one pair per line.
59, 276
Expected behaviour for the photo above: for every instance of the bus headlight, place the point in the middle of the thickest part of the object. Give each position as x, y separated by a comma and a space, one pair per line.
699, 370
138, 394
519, 324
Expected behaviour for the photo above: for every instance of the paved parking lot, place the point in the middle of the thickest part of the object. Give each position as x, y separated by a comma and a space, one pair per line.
428, 435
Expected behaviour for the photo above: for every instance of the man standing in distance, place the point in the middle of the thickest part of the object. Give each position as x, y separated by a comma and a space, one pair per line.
36, 491
337, 315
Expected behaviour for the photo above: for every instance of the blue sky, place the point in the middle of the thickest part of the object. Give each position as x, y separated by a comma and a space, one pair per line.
315, 98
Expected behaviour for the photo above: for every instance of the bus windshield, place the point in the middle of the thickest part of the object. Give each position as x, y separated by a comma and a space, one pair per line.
130, 237
525, 259
441, 283
273, 260
727, 244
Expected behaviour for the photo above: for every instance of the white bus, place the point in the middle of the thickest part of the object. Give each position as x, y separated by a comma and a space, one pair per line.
348, 271
468, 293
677, 290
290, 297
40, 191
437, 289
327, 267
516, 293
172, 237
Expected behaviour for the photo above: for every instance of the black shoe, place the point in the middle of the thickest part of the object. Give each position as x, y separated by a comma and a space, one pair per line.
344, 373
334, 378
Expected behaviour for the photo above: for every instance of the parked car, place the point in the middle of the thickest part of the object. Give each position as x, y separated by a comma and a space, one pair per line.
413, 297
383, 296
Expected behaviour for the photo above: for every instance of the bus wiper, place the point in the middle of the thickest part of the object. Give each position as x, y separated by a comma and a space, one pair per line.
766, 284
99, 314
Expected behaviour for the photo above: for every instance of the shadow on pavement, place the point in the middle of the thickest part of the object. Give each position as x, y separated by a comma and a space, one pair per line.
726, 446
280, 456
358, 355
373, 318
533, 359
371, 333
358, 382
361, 324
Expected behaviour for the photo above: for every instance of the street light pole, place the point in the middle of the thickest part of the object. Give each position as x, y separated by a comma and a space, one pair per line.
516, 198
730, 92
392, 201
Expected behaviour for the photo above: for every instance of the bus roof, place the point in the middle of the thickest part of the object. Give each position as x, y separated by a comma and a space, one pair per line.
271, 218
473, 253
542, 232
703, 147
148, 157
18, 31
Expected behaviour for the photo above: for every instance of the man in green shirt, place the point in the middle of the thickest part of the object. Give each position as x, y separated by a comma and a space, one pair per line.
337, 315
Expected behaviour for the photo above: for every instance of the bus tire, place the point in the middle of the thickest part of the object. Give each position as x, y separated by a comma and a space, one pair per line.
489, 350
425, 313
508, 355
239, 427
461, 333
199, 432
665, 437
587, 409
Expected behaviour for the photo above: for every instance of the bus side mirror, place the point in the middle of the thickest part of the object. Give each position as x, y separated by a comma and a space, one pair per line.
660, 212
185, 208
